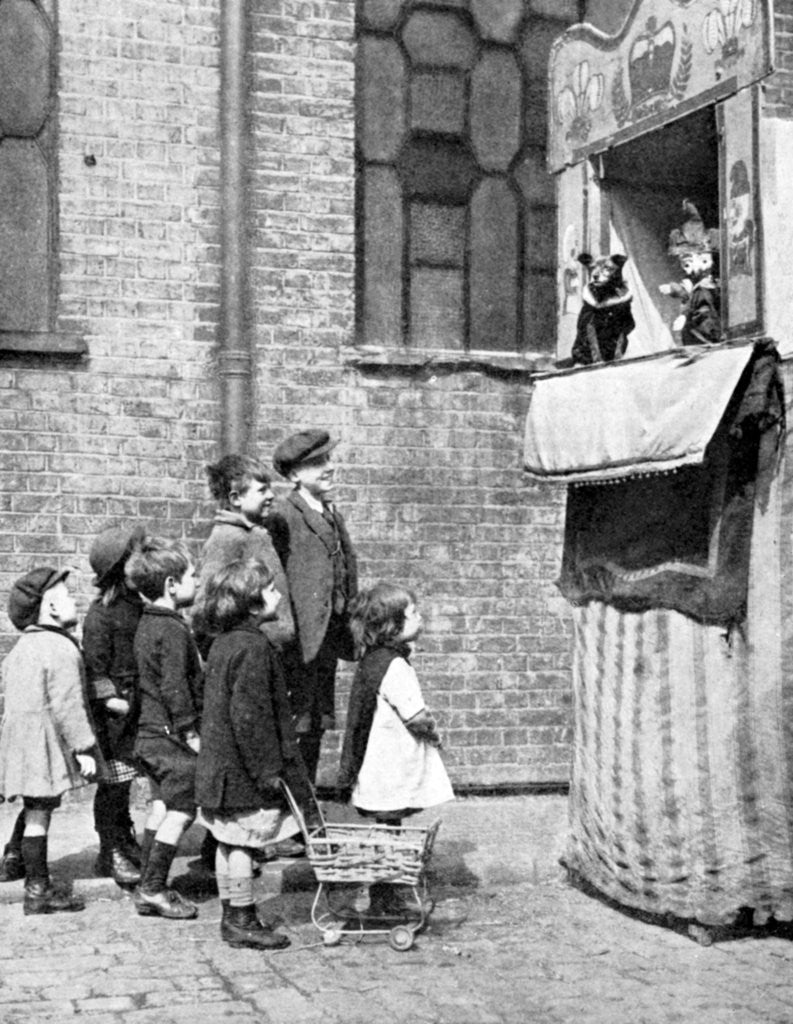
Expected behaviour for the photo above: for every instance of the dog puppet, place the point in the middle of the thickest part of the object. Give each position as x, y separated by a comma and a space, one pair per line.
605, 320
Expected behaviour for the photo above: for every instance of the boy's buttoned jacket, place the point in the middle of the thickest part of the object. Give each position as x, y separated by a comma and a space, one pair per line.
169, 670
45, 721
247, 736
305, 543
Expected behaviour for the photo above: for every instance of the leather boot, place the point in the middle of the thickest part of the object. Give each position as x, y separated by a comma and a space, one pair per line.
166, 903
129, 846
241, 928
153, 897
391, 901
113, 863
42, 898
12, 867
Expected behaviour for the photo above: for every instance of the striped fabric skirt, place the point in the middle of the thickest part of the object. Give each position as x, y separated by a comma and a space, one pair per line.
682, 791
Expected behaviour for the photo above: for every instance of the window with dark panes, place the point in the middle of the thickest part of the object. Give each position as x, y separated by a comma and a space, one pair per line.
456, 211
27, 148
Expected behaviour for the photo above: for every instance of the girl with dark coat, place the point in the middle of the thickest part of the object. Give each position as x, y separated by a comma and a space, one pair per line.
248, 745
108, 649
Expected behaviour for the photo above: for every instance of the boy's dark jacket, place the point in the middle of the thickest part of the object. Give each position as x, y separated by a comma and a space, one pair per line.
169, 669
360, 713
247, 736
305, 543
108, 651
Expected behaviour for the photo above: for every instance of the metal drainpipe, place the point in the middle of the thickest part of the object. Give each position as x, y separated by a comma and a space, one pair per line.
235, 356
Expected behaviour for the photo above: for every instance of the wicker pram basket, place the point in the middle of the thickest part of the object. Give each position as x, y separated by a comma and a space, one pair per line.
370, 853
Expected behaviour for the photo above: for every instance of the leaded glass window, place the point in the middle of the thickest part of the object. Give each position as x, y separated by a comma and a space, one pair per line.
456, 209
27, 147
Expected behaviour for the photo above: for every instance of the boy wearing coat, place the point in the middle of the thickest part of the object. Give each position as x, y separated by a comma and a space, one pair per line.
314, 546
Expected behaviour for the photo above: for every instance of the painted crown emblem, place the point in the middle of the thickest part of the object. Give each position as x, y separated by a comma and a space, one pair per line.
650, 61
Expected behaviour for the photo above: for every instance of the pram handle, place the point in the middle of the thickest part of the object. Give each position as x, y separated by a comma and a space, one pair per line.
297, 811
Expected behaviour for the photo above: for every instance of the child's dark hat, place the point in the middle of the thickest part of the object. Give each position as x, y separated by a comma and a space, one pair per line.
301, 447
24, 601
111, 549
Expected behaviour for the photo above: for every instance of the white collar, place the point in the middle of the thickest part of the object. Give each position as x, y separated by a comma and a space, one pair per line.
311, 501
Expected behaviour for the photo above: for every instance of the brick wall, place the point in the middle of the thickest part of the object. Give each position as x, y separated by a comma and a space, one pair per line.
778, 87
430, 461
122, 434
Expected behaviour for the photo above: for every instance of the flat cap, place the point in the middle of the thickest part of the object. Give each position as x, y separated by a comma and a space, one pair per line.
24, 601
301, 447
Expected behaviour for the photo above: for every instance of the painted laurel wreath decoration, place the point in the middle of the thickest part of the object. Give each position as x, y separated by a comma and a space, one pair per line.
683, 74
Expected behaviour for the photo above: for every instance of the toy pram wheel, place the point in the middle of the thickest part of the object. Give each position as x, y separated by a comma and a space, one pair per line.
400, 938
331, 937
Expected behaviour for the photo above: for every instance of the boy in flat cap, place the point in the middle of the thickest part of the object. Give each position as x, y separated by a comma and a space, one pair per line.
47, 742
314, 546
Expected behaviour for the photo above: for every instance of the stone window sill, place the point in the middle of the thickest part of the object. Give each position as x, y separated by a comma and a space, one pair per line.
42, 343
372, 357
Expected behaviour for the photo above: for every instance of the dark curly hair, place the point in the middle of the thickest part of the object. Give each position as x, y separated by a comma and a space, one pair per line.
377, 615
233, 593
233, 473
153, 561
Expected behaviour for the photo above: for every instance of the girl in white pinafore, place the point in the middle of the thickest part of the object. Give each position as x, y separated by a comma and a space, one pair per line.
391, 765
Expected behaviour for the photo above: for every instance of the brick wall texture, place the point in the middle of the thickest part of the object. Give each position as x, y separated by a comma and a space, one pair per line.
429, 461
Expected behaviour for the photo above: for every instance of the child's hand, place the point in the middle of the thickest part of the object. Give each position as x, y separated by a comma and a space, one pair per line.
117, 706
87, 765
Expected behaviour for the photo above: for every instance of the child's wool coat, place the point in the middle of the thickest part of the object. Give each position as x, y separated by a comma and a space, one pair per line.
46, 719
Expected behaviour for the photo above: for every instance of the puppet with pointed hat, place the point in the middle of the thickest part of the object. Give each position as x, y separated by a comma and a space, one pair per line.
697, 249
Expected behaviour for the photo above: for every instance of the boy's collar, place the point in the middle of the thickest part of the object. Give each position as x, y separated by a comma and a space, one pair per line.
228, 517
54, 629
159, 609
315, 504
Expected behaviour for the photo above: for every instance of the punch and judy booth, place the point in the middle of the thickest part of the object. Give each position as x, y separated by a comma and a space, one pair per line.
677, 560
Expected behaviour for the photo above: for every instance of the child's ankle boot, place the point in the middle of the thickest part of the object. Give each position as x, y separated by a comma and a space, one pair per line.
40, 896
113, 863
129, 845
153, 897
12, 867
240, 927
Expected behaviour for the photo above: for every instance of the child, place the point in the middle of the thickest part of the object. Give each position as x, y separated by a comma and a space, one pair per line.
312, 541
390, 761
167, 744
47, 744
108, 637
242, 489
247, 744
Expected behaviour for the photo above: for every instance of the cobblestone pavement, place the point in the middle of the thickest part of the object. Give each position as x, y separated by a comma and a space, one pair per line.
508, 943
